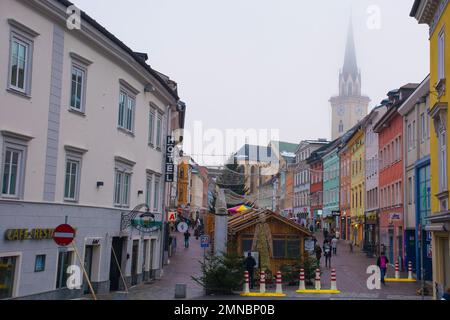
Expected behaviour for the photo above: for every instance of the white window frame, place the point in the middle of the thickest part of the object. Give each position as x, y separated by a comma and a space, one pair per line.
442, 158
441, 54
159, 130
20, 147
157, 193
81, 64
122, 193
151, 126
130, 99
74, 159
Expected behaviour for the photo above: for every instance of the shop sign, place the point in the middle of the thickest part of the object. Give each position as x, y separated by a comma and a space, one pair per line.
336, 213
28, 234
170, 166
142, 221
395, 216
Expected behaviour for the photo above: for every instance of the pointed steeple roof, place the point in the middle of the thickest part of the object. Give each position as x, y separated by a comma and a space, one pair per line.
350, 63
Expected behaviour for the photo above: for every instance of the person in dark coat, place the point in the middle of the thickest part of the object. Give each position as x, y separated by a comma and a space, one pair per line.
250, 264
318, 252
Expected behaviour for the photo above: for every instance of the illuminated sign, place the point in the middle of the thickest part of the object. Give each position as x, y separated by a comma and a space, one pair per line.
28, 234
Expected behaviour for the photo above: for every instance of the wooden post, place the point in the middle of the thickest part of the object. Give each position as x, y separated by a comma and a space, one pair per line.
84, 270
120, 269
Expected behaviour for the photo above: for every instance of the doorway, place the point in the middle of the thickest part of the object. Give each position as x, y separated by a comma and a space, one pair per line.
145, 268
114, 271
391, 246
134, 263
88, 254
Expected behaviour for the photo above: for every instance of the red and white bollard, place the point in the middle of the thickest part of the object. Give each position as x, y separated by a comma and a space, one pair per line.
247, 282
333, 279
302, 280
262, 282
318, 279
410, 270
397, 271
279, 289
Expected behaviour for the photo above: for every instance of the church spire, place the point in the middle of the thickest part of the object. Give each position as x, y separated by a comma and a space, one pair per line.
350, 64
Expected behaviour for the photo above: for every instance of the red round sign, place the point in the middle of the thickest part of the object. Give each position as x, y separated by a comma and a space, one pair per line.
64, 235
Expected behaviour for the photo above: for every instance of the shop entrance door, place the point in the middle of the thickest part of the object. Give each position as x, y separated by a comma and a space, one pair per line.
114, 272
134, 263
391, 246
88, 253
7, 276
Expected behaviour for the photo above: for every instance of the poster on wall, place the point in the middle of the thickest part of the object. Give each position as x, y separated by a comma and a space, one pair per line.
309, 245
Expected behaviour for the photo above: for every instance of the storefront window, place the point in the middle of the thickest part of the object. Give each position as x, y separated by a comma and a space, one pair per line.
7, 275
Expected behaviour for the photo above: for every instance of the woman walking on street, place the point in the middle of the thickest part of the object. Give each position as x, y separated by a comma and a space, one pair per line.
382, 263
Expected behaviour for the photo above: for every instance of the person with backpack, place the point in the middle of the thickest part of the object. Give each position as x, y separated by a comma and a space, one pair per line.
327, 253
382, 263
318, 251
250, 264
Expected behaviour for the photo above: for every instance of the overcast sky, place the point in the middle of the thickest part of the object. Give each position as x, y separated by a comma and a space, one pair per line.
268, 64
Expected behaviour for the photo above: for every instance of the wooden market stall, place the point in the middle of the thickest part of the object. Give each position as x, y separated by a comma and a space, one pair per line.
275, 240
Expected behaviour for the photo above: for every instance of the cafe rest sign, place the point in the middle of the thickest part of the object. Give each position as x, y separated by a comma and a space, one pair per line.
28, 234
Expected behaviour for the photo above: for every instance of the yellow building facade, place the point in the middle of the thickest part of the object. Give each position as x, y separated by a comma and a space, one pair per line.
436, 14
357, 170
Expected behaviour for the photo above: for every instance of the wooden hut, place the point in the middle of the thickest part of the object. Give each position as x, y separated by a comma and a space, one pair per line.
277, 240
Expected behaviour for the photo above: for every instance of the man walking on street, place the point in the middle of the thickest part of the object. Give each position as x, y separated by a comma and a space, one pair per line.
334, 243
187, 235
250, 264
382, 263
327, 254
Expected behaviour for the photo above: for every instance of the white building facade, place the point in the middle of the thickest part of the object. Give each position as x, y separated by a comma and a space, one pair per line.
83, 127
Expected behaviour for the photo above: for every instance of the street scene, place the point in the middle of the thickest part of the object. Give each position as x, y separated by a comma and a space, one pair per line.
236, 150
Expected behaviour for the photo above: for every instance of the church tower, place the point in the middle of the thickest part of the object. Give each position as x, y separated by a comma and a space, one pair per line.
349, 107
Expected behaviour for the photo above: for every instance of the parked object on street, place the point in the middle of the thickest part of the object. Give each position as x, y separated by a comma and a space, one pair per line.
247, 283
180, 291
279, 288
333, 279
318, 279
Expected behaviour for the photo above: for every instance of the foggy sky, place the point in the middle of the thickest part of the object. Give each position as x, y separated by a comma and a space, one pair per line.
267, 64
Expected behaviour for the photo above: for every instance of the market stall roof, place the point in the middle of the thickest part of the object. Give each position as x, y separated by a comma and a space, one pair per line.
251, 217
239, 209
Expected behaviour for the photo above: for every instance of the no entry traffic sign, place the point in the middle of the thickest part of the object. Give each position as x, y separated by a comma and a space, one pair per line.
64, 235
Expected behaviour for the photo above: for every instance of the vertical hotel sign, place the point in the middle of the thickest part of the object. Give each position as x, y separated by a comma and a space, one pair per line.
170, 167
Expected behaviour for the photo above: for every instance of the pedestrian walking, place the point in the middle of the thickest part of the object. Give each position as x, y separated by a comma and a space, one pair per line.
350, 244
334, 243
187, 236
382, 263
250, 264
327, 253
318, 251
196, 233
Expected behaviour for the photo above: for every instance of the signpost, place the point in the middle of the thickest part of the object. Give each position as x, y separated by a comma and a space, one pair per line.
63, 236
170, 166
172, 217
204, 243
182, 227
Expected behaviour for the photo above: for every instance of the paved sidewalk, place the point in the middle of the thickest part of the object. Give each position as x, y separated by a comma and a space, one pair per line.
184, 264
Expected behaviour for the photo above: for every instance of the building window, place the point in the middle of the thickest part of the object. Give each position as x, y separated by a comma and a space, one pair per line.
151, 127
341, 127
159, 131
442, 159
72, 179
77, 88
441, 55
156, 198
410, 190
148, 195
39, 264
122, 184
19, 64
127, 104
423, 127
65, 259
11, 172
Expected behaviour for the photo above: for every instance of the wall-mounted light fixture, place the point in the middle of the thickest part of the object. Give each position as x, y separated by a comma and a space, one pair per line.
140, 192
100, 184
